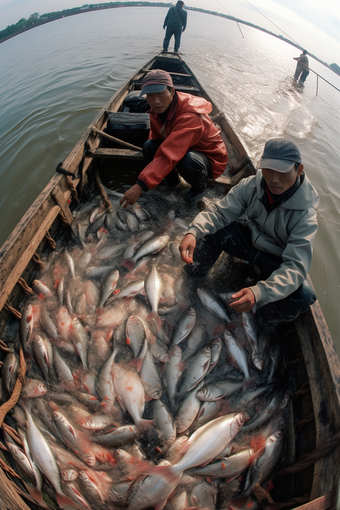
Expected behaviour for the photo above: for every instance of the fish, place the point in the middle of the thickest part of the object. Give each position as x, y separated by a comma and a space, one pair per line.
130, 290
212, 304
44, 457
185, 326
173, 371
150, 377
188, 410
132, 221
105, 385
203, 495
9, 371
218, 390
250, 327
202, 446
164, 424
80, 340
153, 288
151, 490
196, 370
108, 286
64, 371
43, 353
41, 288
195, 341
237, 356
118, 437
130, 394
70, 263
26, 324
152, 246
260, 471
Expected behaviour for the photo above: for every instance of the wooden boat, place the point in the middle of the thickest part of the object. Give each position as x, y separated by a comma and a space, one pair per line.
310, 477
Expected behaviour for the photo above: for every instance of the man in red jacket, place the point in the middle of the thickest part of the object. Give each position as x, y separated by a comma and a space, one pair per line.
182, 140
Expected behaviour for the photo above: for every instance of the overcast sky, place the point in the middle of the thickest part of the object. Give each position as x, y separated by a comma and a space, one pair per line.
313, 24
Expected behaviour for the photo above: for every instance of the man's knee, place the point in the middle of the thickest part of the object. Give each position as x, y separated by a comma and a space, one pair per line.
150, 148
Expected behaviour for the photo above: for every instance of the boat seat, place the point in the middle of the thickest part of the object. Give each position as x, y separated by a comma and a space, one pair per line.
116, 153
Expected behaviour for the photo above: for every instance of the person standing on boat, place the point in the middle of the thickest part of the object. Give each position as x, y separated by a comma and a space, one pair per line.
175, 23
268, 219
302, 67
182, 140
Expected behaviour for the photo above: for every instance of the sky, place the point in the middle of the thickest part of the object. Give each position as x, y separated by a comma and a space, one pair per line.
313, 24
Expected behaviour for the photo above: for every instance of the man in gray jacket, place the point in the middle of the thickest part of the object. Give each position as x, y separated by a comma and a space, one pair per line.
175, 23
269, 220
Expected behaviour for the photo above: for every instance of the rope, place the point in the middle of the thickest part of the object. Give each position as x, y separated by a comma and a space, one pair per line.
7, 406
297, 359
103, 193
305, 388
38, 260
8, 469
11, 432
300, 424
24, 286
310, 458
50, 241
114, 139
73, 189
9, 308
262, 495
63, 219
3, 347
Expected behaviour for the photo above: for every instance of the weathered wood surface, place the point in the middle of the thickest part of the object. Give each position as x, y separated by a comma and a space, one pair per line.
117, 153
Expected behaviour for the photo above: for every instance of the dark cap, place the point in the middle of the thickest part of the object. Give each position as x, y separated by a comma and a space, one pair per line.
280, 155
156, 81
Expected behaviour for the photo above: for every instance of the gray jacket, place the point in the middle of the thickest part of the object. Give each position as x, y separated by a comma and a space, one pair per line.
287, 232
176, 17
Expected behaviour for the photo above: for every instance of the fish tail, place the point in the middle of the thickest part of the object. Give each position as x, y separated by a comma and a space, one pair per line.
65, 502
167, 472
153, 316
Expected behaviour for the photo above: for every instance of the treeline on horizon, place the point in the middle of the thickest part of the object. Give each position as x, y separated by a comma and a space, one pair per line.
35, 20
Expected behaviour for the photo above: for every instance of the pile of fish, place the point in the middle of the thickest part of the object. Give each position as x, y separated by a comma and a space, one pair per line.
143, 388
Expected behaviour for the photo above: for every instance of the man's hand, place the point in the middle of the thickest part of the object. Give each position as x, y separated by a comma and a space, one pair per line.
187, 248
245, 300
163, 27
131, 195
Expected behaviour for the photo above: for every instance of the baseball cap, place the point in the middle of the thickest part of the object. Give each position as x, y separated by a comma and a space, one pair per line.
156, 81
281, 155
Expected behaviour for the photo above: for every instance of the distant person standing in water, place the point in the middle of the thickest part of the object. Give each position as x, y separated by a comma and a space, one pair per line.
175, 23
302, 67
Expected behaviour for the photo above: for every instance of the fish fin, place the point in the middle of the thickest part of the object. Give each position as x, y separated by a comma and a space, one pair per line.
154, 316
161, 504
185, 448
144, 425
147, 398
136, 362
248, 383
128, 264
121, 403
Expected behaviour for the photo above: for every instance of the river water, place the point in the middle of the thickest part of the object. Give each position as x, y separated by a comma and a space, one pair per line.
55, 78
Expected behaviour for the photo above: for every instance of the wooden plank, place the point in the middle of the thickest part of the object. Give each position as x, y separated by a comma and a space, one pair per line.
321, 503
322, 478
61, 201
117, 153
21, 261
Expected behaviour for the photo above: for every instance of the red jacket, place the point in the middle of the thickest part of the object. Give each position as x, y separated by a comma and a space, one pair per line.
187, 127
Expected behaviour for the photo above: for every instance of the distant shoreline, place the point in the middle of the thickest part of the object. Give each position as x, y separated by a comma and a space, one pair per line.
35, 21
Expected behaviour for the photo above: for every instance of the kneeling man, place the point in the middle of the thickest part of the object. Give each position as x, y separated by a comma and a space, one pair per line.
268, 219
182, 140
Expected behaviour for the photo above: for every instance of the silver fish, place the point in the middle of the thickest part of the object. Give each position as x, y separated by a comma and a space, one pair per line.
202, 446
185, 326
188, 410
152, 246
104, 383
119, 437
153, 288
152, 490
226, 468
203, 495
132, 222
43, 354
212, 304
173, 372
64, 372
80, 340
237, 355
218, 390
164, 424
195, 341
108, 286
9, 371
110, 251
130, 290
150, 377
70, 263
26, 324
262, 468
196, 370
40, 287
